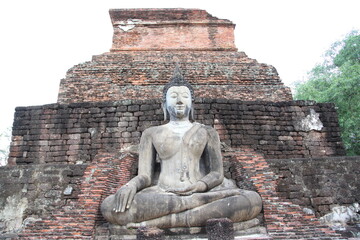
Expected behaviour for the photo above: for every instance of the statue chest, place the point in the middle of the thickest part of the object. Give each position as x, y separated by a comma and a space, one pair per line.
190, 145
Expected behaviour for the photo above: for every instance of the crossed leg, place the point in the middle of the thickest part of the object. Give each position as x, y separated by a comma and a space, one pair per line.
170, 210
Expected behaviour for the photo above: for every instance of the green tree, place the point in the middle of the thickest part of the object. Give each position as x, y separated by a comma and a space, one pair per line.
337, 80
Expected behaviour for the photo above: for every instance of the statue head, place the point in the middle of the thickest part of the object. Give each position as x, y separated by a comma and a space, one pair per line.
178, 96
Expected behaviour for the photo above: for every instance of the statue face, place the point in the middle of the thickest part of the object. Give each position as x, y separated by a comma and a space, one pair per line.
178, 102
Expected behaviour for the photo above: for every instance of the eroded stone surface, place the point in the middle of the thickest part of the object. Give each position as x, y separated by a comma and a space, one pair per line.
340, 216
11, 215
310, 122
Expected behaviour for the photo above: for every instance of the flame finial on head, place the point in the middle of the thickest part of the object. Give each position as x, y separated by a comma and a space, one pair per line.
177, 80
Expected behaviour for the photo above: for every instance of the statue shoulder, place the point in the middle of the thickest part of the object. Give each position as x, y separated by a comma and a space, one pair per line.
210, 130
150, 130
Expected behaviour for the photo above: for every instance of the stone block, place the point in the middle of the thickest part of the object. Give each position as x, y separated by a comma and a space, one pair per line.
146, 233
220, 229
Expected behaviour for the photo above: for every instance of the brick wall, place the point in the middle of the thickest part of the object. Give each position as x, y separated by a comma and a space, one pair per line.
286, 186
283, 218
164, 29
28, 193
148, 43
141, 75
74, 133
318, 183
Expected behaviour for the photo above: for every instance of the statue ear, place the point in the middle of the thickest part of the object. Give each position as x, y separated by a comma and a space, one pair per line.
191, 114
163, 105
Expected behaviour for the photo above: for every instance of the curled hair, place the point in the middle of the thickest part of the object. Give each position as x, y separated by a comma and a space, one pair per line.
177, 80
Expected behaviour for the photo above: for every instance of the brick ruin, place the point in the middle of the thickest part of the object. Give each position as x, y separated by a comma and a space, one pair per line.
147, 43
67, 156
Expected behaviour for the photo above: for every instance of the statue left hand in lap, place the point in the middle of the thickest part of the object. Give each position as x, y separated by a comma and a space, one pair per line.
191, 187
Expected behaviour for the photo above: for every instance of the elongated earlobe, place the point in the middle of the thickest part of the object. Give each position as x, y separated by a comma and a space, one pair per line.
163, 105
191, 114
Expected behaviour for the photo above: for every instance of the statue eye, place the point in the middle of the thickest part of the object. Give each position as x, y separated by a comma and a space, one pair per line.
173, 95
185, 95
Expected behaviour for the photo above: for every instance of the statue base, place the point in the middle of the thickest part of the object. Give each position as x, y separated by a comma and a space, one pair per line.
241, 229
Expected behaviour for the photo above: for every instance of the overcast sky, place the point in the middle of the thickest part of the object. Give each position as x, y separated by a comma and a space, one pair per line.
41, 40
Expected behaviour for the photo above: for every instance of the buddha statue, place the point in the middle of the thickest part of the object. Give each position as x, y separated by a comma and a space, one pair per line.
190, 188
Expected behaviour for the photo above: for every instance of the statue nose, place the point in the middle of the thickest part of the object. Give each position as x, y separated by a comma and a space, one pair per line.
179, 100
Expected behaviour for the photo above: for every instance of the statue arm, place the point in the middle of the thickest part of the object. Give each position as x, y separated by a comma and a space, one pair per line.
125, 195
147, 156
214, 158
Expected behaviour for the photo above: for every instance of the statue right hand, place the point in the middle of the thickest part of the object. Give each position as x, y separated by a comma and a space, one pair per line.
199, 186
124, 197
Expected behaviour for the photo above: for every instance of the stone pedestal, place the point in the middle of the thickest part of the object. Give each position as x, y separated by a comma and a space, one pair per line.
150, 234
